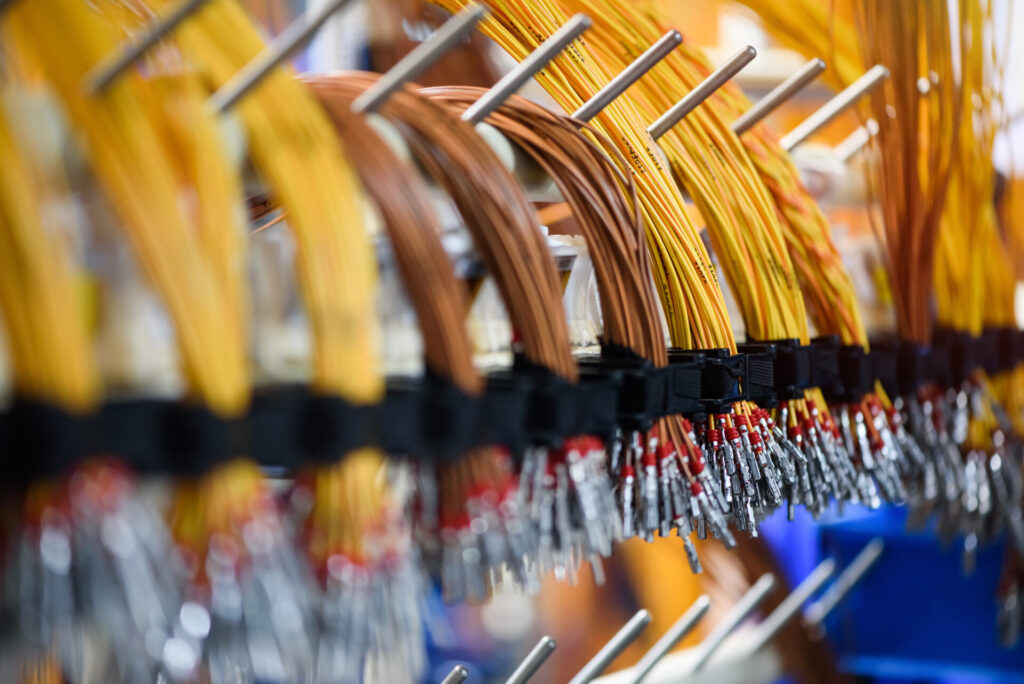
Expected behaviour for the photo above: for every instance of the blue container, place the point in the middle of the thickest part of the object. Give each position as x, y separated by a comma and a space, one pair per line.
914, 615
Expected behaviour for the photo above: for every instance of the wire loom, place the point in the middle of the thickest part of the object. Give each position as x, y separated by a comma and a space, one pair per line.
290, 426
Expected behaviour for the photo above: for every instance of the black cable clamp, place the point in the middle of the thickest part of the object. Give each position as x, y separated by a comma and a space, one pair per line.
721, 376
793, 370
857, 375
640, 387
904, 367
504, 411
956, 355
825, 361
551, 409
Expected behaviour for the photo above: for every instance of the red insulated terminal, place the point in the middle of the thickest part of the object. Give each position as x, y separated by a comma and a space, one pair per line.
722, 418
794, 431
687, 426
696, 460
627, 471
742, 421
715, 436
732, 434
755, 438
648, 458
696, 489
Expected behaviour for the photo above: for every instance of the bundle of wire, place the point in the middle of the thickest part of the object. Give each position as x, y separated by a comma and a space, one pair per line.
84, 547
655, 485
479, 484
823, 278
458, 498
759, 271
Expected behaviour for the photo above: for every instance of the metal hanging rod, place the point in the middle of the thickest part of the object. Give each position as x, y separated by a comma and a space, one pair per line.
628, 76
779, 94
831, 109
532, 662
703, 91
110, 68
789, 607
458, 675
524, 71
610, 651
296, 35
421, 58
683, 626
814, 616
856, 141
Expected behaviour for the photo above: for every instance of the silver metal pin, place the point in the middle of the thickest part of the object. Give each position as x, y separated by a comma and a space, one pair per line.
683, 626
421, 58
297, 34
831, 109
524, 71
108, 69
623, 638
747, 604
628, 76
702, 92
856, 141
779, 94
816, 613
532, 662
790, 606
458, 675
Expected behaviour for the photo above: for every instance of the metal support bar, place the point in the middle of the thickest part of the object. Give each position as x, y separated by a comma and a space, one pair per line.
703, 91
297, 34
108, 69
628, 76
816, 613
623, 638
458, 675
831, 109
747, 604
779, 94
421, 58
790, 606
532, 662
669, 639
524, 71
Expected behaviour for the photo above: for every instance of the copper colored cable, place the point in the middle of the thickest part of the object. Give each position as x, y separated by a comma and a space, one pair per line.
414, 231
494, 208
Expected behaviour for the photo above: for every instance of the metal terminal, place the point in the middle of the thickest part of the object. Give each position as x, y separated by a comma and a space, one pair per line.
856, 141
814, 616
108, 69
458, 675
702, 92
747, 604
524, 71
421, 58
683, 626
831, 109
779, 94
532, 662
297, 34
623, 638
790, 606
628, 76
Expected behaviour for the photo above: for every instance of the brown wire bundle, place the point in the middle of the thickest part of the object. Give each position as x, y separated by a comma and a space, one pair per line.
495, 210
916, 140
414, 232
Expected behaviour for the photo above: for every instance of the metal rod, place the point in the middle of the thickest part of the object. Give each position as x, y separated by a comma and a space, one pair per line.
628, 76
297, 34
623, 638
702, 92
779, 94
816, 613
790, 606
532, 662
524, 71
108, 69
683, 626
421, 58
458, 675
747, 604
831, 109
856, 141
